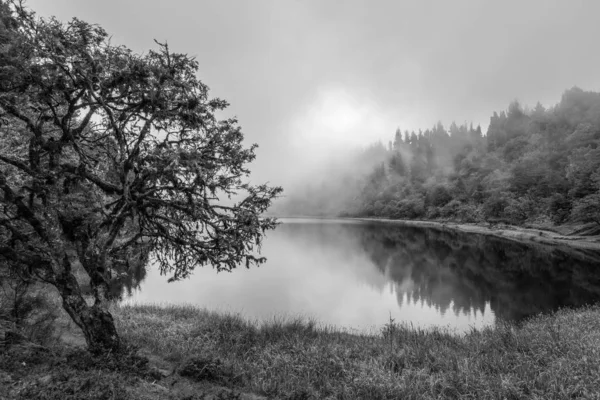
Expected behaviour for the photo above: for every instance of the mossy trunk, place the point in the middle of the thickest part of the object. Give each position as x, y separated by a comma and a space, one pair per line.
96, 322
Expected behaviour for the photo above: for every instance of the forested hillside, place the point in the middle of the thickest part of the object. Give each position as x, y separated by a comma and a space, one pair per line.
538, 165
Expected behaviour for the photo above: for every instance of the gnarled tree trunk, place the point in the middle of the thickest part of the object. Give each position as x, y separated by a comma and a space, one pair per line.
95, 321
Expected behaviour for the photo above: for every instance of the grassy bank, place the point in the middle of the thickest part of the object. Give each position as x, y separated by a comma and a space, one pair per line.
556, 356
198, 354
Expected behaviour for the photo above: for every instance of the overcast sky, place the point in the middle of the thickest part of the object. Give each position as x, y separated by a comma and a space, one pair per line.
303, 76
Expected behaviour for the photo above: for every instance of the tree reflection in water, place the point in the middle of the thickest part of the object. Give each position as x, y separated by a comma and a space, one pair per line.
444, 269
331, 270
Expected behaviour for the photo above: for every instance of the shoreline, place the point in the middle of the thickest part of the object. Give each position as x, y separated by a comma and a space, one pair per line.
510, 232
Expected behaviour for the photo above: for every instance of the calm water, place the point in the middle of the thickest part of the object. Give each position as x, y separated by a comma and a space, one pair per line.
357, 274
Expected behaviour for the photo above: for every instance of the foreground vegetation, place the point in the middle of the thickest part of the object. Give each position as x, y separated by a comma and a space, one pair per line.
194, 351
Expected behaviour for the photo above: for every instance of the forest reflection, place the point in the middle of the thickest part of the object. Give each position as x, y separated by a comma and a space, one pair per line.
342, 271
468, 270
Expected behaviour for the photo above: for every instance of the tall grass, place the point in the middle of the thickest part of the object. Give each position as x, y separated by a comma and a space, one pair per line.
554, 356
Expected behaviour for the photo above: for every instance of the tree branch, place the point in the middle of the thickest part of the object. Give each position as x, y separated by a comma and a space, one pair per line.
16, 163
22, 209
80, 170
14, 112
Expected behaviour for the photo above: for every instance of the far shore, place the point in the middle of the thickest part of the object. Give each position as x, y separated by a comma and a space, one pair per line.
510, 232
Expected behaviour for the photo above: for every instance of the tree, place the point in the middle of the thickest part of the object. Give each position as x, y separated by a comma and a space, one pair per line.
418, 169
104, 152
397, 139
397, 164
414, 140
587, 209
583, 164
496, 134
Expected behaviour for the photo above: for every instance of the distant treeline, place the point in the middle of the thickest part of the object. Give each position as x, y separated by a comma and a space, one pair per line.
539, 165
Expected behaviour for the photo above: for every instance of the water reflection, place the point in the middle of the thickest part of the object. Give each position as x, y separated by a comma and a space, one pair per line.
357, 275
469, 271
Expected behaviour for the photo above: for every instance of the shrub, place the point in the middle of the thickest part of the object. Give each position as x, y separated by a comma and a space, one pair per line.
494, 206
433, 212
468, 212
587, 209
412, 207
516, 210
560, 208
451, 209
439, 196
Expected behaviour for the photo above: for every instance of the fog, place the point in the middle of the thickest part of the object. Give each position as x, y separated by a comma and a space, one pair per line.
311, 82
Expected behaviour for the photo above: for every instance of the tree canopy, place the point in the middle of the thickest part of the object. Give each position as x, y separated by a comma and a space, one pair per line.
108, 157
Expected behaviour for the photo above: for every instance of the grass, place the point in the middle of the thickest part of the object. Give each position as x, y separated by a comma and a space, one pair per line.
553, 356
29, 372
183, 352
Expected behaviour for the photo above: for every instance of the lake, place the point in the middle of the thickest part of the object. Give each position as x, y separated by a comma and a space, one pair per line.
357, 275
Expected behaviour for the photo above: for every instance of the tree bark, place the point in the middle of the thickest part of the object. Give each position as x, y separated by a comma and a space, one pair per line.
96, 322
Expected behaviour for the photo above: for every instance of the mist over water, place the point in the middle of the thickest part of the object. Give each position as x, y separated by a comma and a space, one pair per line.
357, 275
